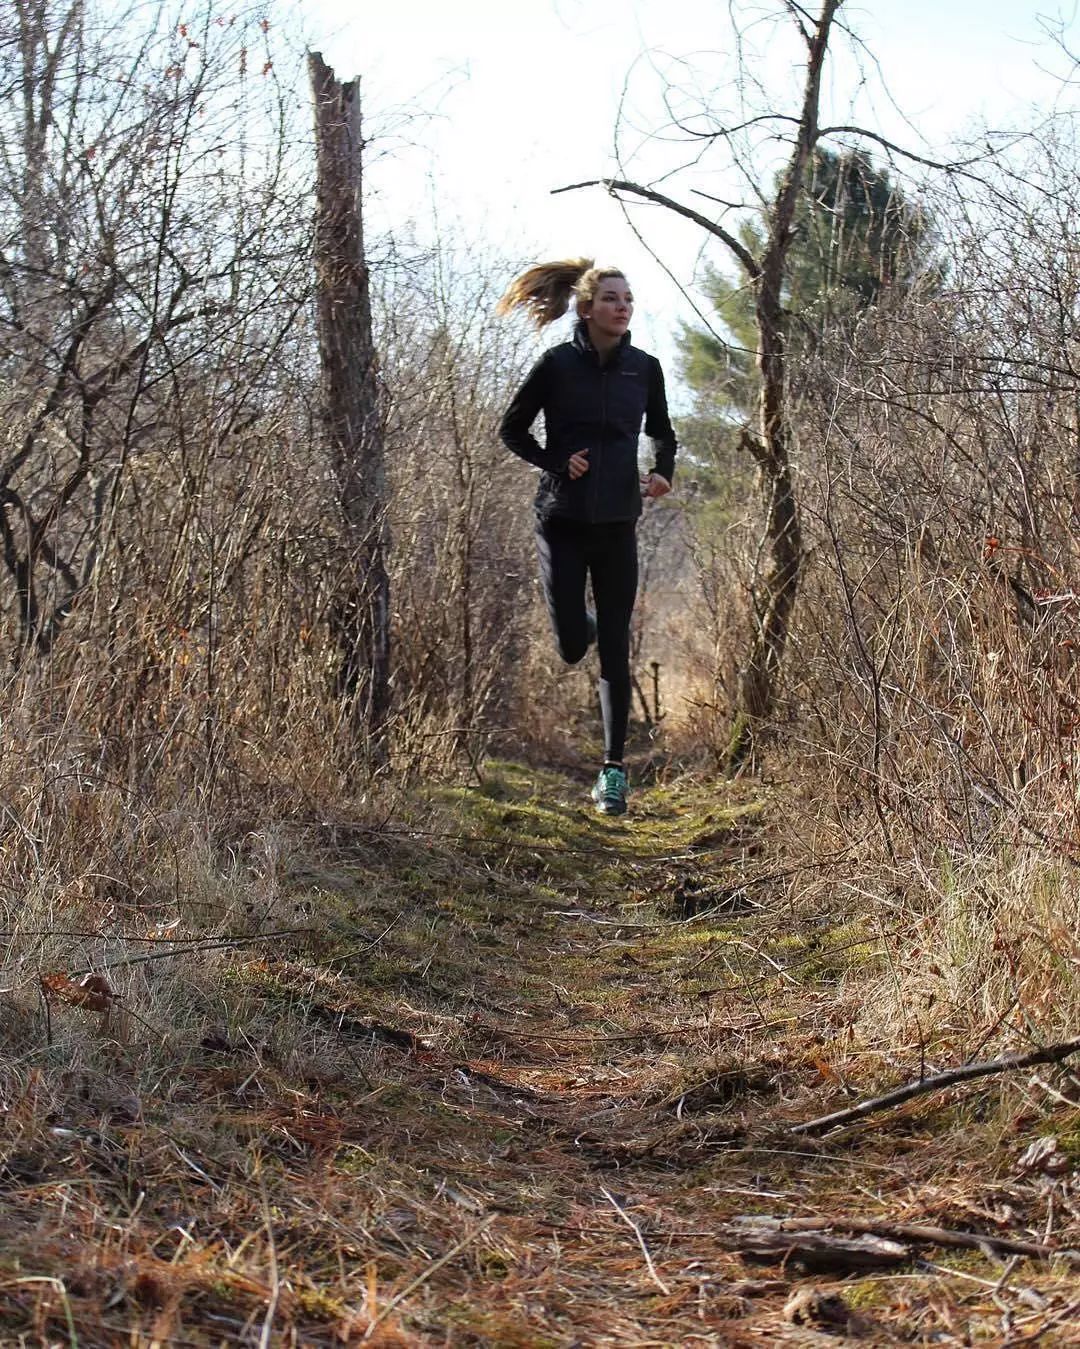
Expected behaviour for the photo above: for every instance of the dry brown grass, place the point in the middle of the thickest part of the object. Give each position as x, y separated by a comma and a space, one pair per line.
491, 1064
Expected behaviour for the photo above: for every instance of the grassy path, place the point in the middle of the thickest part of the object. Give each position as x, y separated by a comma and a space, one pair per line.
517, 1076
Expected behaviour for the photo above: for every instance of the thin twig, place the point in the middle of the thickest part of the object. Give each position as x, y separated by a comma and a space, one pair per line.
967, 1073
272, 1305
423, 1277
653, 1033
915, 1233
640, 1240
955, 166
690, 852
201, 947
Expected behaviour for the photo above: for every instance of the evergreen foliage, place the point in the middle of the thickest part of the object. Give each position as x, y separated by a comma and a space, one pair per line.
856, 237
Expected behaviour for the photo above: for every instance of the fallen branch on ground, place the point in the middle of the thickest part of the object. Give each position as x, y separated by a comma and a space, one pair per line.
922, 1234
766, 1233
967, 1073
817, 1252
640, 1240
198, 948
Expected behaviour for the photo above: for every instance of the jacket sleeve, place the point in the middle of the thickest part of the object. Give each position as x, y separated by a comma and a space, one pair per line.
658, 424
514, 429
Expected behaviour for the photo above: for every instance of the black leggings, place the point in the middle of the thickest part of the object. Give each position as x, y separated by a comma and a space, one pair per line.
568, 549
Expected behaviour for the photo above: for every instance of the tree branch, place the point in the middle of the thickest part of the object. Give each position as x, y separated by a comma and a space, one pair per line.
923, 1234
726, 132
615, 185
802, 18
967, 1073
955, 166
750, 442
728, 205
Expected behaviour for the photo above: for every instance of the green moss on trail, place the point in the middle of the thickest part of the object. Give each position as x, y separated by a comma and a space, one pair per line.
512, 1042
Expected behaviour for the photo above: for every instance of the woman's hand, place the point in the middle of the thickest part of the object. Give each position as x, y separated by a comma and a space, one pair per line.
579, 464
654, 485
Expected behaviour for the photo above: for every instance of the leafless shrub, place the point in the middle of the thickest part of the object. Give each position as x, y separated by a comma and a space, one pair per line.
460, 579
933, 679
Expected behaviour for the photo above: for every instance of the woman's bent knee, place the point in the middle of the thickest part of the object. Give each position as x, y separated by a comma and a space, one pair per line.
573, 655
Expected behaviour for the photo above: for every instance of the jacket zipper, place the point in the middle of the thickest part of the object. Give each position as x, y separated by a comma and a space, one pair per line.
603, 436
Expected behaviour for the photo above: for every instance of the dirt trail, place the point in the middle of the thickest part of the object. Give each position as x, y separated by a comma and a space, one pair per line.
531, 1086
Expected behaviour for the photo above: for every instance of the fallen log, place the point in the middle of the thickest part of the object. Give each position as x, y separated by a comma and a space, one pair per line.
817, 1252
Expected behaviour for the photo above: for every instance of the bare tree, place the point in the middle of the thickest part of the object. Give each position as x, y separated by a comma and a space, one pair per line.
770, 439
462, 601
164, 544
141, 222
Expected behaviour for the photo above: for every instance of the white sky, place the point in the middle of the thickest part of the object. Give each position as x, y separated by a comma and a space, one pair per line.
524, 97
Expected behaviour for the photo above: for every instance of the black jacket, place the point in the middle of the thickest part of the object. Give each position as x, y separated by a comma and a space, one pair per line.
596, 407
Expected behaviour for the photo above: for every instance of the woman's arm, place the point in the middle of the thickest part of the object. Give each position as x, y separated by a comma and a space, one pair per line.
515, 427
658, 424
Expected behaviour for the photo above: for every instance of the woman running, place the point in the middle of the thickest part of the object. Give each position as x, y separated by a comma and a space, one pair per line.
594, 392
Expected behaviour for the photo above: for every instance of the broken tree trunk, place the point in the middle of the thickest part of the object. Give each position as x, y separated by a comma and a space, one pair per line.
353, 420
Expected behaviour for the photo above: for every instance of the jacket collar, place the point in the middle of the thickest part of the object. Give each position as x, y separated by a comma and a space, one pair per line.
582, 342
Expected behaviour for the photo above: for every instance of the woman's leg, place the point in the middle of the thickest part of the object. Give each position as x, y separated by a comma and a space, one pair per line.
613, 564
560, 549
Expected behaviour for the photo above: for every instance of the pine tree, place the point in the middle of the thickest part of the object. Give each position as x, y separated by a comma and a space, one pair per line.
855, 236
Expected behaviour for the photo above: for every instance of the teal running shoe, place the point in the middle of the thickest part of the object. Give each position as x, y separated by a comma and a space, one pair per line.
609, 791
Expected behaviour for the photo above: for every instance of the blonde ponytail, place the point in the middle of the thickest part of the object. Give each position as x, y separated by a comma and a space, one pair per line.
544, 290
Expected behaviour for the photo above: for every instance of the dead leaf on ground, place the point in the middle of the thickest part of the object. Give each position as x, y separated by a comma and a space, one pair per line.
1046, 1155
822, 1311
93, 993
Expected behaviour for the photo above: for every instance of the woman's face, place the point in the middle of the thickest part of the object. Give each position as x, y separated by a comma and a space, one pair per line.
612, 307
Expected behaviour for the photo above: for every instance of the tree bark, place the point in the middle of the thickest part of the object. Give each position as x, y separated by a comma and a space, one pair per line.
775, 595
352, 413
